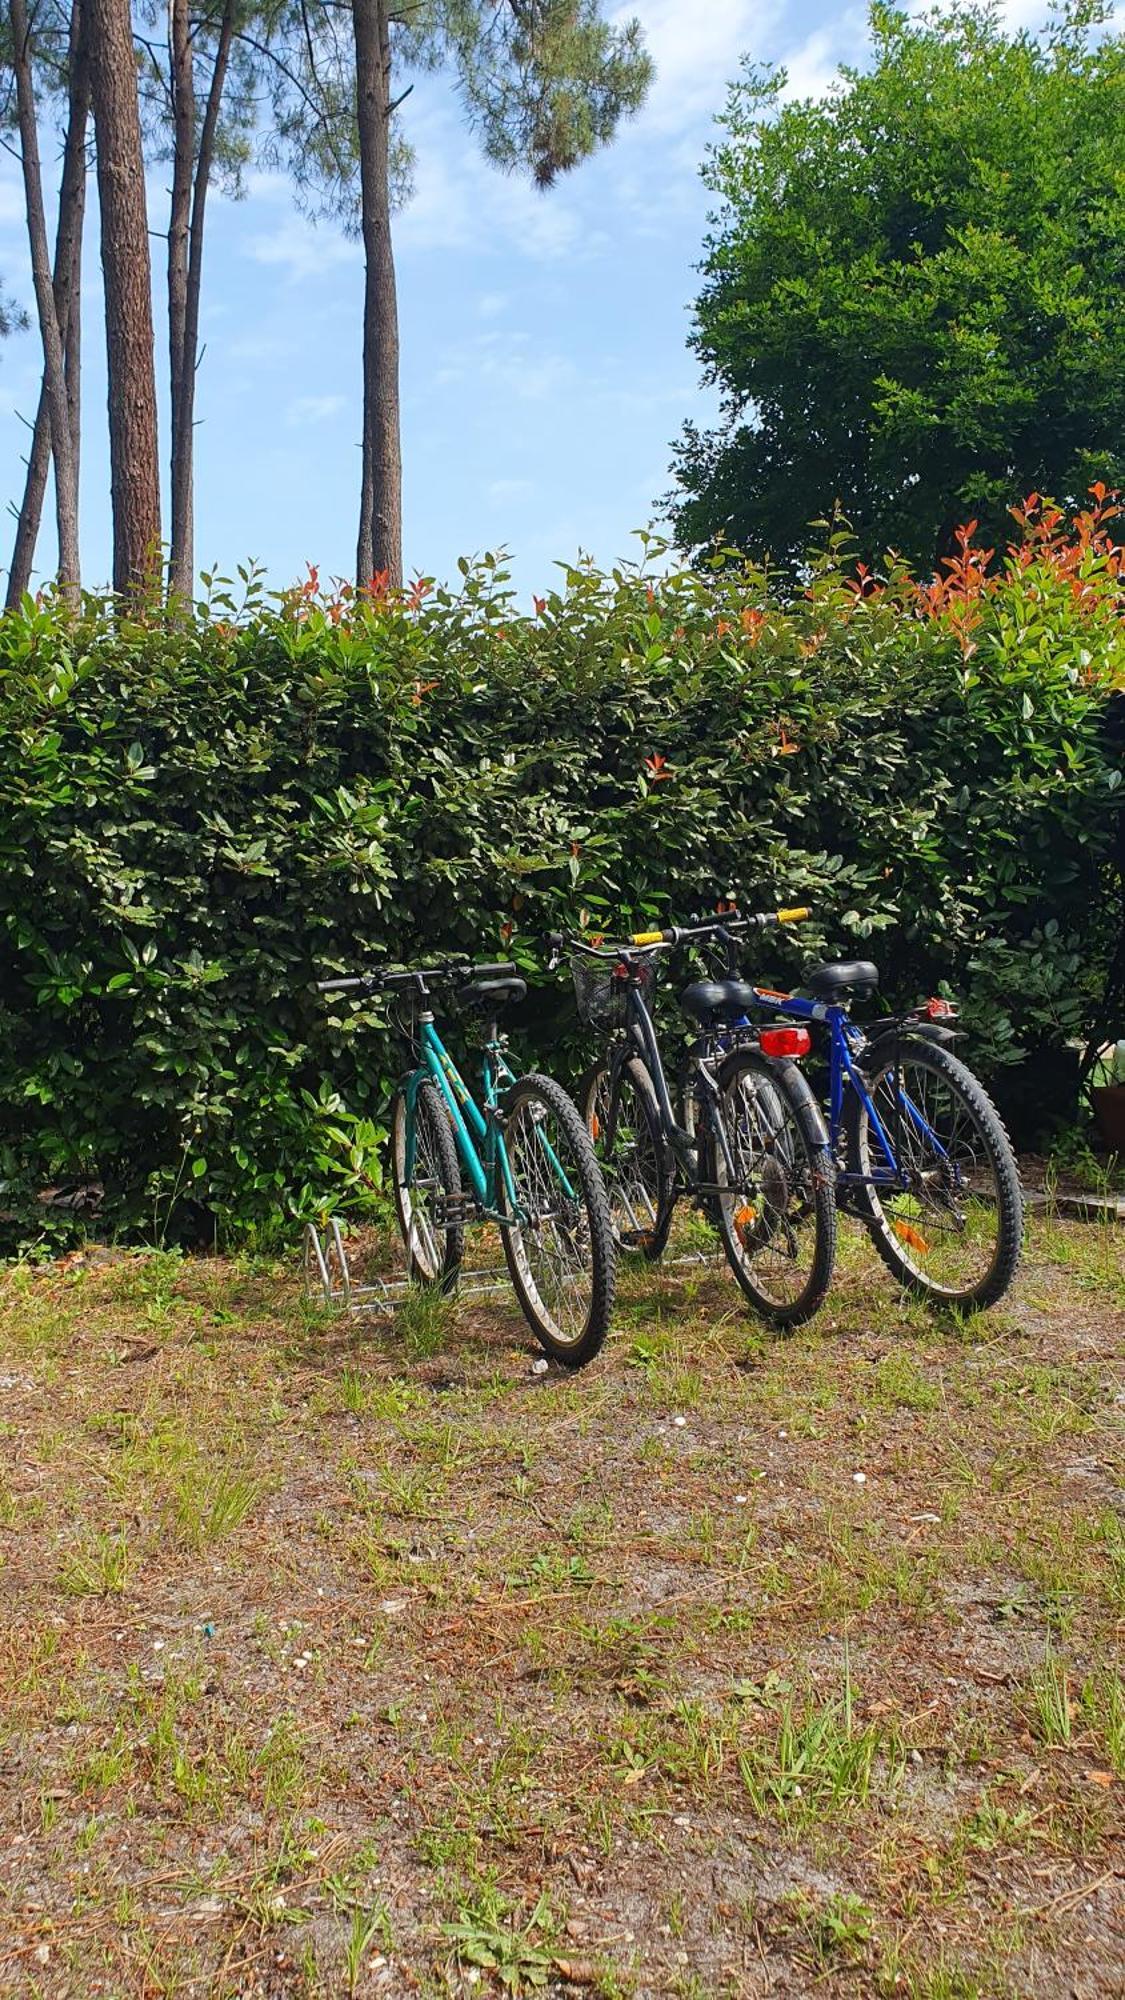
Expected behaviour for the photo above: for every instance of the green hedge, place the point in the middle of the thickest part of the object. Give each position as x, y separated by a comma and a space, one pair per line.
198, 817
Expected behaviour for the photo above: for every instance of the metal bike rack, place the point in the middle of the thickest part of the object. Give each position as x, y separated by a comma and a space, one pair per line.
328, 1276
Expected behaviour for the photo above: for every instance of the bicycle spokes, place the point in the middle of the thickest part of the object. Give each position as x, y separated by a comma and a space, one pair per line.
550, 1235
942, 1205
766, 1196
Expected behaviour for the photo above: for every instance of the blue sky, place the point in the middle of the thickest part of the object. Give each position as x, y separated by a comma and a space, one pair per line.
545, 369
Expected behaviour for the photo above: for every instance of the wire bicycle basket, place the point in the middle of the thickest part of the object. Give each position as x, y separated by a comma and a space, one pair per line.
601, 985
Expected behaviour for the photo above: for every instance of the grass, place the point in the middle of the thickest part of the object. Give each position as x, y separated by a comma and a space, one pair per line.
354, 1656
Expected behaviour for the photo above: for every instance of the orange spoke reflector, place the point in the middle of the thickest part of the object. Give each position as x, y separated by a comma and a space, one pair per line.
907, 1233
745, 1219
595, 1126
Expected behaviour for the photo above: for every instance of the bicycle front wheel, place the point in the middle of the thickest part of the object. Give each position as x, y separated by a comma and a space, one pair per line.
951, 1224
776, 1206
623, 1121
428, 1200
558, 1239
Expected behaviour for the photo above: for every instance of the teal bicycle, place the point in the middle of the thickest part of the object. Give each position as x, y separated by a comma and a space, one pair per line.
521, 1159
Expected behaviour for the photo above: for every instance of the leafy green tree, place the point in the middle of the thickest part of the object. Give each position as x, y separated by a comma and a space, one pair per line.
912, 297
543, 83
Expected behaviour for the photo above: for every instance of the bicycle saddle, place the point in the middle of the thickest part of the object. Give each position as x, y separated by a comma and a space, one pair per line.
839, 973
717, 999
490, 995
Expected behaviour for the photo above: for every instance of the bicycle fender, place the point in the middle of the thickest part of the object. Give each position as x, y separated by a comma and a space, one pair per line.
913, 1031
809, 1115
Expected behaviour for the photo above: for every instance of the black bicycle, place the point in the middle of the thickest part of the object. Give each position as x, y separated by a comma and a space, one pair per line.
752, 1149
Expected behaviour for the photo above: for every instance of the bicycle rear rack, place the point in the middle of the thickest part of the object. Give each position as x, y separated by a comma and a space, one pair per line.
328, 1276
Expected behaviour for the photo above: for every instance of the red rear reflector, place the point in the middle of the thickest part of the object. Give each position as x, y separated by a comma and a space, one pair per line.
785, 1041
940, 1010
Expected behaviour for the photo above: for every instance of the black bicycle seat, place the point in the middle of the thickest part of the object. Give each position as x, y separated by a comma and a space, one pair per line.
490, 995
717, 1000
840, 974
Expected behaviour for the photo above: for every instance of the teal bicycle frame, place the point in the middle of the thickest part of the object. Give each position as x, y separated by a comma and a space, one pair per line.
479, 1134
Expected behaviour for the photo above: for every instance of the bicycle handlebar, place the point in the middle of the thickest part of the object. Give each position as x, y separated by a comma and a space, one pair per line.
717, 926
405, 975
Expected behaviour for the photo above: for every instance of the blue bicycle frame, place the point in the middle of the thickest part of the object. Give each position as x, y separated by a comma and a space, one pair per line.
845, 1041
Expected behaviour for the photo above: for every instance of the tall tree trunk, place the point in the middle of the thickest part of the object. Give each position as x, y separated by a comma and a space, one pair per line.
179, 225
380, 517
68, 308
181, 571
127, 276
54, 360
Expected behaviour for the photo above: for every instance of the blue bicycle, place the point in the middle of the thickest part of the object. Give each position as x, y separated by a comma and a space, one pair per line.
524, 1151
920, 1153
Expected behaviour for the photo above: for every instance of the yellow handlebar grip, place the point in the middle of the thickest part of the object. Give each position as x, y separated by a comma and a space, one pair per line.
647, 937
793, 916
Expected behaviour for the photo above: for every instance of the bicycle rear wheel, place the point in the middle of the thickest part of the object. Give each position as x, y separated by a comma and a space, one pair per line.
954, 1232
559, 1240
623, 1121
428, 1204
776, 1206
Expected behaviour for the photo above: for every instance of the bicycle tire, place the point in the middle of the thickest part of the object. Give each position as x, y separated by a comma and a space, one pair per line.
789, 1178
638, 1175
579, 1223
433, 1247
891, 1235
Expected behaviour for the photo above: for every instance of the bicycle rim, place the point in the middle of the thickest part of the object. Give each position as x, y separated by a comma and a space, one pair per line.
768, 1211
631, 1162
944, 1228
432, 1247
550, 1243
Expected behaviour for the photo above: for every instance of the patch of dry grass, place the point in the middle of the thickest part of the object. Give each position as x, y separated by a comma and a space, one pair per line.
347, 1657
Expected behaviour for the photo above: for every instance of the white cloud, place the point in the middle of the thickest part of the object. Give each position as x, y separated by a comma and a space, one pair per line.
313, 409
812, 66
697, 50
461, 203
303, 249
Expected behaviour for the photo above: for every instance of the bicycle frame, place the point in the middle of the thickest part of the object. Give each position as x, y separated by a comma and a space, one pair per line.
640, 1034
845, 1042
478, 1133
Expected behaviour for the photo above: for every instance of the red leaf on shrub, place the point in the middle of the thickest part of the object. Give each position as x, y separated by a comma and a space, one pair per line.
657, 767
540, 604
752, 622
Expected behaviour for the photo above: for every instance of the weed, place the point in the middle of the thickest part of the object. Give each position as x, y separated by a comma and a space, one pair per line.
367, 1928
840, 1929
209, 1505
423, 1321
1103, 1703
97, 1566
816, 1760
1053, 1711
487, 1935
